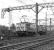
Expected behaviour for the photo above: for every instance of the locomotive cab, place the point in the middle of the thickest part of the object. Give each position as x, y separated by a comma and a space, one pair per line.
42, 30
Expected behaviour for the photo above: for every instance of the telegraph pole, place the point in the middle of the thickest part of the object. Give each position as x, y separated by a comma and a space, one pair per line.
36, 18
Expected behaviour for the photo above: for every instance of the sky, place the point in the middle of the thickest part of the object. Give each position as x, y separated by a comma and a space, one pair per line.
17, 14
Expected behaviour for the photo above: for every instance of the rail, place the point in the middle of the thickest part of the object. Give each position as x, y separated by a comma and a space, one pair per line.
28, 43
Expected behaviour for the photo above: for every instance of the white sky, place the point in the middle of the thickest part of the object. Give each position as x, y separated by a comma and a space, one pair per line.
16, 15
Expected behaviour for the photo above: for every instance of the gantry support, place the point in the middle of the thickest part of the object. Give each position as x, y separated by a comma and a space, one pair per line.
36, 18
10, 19
43, 5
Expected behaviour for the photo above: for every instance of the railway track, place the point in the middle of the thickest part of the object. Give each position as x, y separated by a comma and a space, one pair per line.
17, 40
27, 44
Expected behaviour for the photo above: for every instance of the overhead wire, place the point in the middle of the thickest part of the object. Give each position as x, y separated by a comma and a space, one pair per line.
44, 1
24, 2
21, 1
52, 9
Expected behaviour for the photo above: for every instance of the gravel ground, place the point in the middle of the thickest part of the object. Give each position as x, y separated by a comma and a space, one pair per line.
49, 46
44, 47
19, 40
